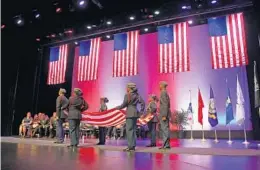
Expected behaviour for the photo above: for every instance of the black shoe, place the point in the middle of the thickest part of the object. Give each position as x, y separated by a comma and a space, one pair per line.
100, 143
165, 147
70, 146
58, 142
151, 145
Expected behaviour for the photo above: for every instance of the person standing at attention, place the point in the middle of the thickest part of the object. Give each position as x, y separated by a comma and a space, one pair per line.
102, 130
61, 106
131, 99
77, 105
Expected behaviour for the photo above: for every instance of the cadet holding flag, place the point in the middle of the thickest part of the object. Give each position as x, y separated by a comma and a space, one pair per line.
212, 114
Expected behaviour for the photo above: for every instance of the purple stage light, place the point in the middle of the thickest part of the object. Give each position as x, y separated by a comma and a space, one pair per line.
184, 7
82, 2
213, 1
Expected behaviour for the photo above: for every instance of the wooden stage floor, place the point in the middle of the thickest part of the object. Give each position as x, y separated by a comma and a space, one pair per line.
43, 154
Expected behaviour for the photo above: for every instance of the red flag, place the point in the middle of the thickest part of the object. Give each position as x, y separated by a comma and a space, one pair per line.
200, 108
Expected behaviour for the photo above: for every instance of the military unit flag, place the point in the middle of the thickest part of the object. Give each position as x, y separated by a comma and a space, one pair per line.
200, 108
240, 108
229, 109
256, 87
212, 113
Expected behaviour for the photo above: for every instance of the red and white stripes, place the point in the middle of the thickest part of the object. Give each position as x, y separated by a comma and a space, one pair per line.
57, 69
88, 65
174, 57
125, 61
230, 50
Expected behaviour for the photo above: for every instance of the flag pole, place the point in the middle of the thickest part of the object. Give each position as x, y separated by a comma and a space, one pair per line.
203, 136
216, 136
191, 126
229, 135
245, 142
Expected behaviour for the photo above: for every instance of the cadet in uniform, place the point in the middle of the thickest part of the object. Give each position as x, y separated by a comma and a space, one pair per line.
61, 106
152, 109
76, 105
102, 130
53, 125
131, 99
164, 115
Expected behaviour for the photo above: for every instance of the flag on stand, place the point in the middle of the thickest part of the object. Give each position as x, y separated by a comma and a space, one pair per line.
88, 59
200, 108
190, 114
229, 109
240, 109
173, 48
212, 117
256, 87
57, 64
125, 54
228, 41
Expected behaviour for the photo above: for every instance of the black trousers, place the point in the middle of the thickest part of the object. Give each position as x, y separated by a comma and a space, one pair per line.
74, 131
102, 135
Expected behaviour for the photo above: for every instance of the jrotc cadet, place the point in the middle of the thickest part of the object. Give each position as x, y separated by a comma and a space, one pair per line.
77, 104
164, 115
152, 109
44, 125
102, 130
61, 105
131, 99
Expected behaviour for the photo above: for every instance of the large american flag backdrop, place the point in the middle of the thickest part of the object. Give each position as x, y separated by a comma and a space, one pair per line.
125, 54
88, 59
57, 64
173, 48
228, 41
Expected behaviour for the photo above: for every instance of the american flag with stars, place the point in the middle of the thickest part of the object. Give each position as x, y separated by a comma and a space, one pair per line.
228, 41
125, 59
57, 64
173, 48
89, 52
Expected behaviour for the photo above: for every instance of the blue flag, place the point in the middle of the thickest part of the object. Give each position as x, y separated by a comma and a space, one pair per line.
212, 114
229, 109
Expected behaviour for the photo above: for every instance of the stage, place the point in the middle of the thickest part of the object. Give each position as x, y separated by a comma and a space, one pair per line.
18, 153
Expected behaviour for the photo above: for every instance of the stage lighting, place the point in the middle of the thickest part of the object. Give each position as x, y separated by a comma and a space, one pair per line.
108, 36
185, 7
146, 29
89, 27
157, 12
213, 1
109, 22
2, 26
131, 17
81, 3
38, 39
19, 20
76, 43
190, 22
58, 10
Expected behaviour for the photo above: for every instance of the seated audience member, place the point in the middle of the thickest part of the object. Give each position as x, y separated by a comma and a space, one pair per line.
44, 125
53, 125
109, 132
35, 124
26, 124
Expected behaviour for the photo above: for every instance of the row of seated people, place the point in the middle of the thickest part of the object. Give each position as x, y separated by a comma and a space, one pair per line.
42, 126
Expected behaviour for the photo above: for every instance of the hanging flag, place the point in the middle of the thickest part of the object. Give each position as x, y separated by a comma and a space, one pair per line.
190, 113
240, 109
212, 117
57, 64
125, 54
229, 109
173, 48
88, 59
200, 108
228, 41
256, 87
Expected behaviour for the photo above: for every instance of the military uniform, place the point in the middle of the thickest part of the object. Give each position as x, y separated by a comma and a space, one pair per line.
61, 106
53, 126
152, 109
131, 99
164, 116
102, 130
76, 105
44, 126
